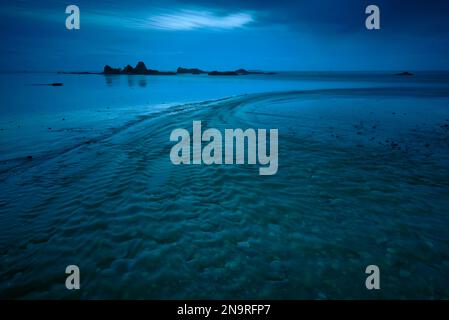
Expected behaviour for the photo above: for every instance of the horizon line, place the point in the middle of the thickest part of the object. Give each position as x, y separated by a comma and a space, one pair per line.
283, 71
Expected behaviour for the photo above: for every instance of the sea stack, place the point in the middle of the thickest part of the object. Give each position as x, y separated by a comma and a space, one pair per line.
223, 73
182, 70
140, 68
108, 70
128, 69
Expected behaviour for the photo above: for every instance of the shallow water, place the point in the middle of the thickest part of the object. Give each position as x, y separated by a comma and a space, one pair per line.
363, 179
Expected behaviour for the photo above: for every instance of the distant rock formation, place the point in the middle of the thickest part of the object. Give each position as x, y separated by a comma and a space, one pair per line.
108, 70
182, 70
140, 69
223, 73
128, 69
160, 73
242, 71
245, 72
405, 73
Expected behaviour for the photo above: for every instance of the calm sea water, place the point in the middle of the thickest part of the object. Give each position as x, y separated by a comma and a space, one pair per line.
363, 179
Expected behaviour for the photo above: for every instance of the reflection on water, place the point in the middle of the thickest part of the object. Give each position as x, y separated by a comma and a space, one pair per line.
115, 80
111, 80
143, 81
130, 81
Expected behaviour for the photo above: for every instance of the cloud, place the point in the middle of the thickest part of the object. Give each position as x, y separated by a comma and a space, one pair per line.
190, 19
162, 19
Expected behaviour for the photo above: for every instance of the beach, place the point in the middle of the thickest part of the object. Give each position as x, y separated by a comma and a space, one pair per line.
362, 179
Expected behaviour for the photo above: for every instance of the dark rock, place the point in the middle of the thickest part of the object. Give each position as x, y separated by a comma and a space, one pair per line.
141, 68
190, 71
246, 72
223, 73
128, 69
159, 73
242, 71
108, 70
405, 73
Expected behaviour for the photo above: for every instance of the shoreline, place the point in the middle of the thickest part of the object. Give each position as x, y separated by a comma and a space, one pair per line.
174, 107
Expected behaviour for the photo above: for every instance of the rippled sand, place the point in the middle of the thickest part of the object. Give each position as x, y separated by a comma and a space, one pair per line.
363, 179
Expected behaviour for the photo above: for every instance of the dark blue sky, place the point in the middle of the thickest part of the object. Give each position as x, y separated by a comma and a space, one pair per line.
256, 34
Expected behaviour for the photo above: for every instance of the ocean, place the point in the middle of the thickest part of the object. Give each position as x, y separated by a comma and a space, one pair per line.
86, 179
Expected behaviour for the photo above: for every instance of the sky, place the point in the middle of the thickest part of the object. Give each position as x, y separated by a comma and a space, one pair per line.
272, 35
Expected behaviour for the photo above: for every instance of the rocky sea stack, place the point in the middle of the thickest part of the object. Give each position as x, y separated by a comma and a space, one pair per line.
182, 70
140, 69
